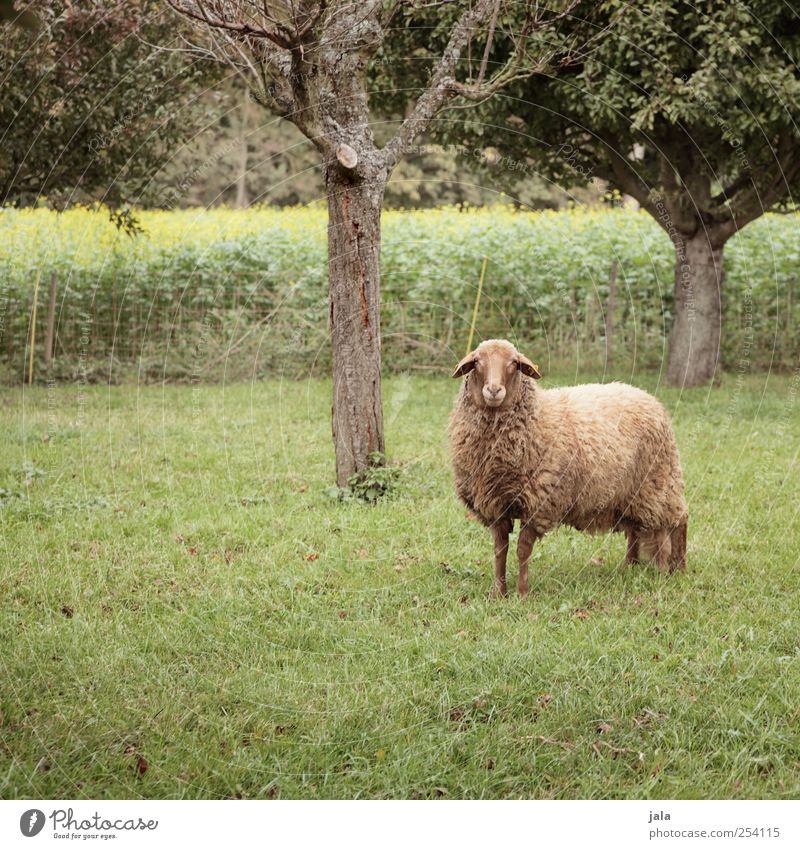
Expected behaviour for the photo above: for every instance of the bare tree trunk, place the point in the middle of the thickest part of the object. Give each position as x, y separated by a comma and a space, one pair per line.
697, 323
354, 232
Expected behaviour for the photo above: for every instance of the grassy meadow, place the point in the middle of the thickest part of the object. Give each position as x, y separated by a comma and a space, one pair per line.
188, 613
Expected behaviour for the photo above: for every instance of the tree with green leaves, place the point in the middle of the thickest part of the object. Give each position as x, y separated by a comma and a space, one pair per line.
90, 109
314, 63
690, 108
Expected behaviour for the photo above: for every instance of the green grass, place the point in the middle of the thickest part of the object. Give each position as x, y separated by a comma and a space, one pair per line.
179, 593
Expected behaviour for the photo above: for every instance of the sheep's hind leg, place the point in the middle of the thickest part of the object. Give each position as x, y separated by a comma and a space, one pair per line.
632, 554
527, 537
500, 531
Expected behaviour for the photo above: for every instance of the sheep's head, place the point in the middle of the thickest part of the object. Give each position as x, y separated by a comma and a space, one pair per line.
497, 367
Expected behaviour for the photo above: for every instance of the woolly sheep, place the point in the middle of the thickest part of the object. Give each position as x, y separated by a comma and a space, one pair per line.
597, 457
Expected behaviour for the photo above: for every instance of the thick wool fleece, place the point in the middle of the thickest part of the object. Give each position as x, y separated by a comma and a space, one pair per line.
596, 457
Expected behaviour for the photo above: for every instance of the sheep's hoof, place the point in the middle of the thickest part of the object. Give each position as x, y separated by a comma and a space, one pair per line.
663, 563
497, 592
522, 590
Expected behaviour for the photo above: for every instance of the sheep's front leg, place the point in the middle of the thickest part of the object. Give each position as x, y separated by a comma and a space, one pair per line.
500, 531
527, 537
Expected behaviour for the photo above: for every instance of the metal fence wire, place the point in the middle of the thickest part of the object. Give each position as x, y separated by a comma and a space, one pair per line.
206, 327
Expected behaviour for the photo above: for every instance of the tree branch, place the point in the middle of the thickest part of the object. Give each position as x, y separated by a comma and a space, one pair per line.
443, 84
731, 189
750, 203
489, 40
242, 29
621, 173
514, 68
438, 90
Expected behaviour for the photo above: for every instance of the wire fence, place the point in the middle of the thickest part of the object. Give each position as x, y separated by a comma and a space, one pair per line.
207, 327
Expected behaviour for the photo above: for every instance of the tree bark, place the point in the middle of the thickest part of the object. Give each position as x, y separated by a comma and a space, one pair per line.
354, 233
697, 321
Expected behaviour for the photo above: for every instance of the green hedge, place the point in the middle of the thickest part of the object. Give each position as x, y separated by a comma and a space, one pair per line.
230, 293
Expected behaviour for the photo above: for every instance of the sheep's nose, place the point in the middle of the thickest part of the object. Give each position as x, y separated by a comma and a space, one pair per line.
494, 395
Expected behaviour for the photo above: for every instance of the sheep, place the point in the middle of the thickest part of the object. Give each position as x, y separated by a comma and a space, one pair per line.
597, 457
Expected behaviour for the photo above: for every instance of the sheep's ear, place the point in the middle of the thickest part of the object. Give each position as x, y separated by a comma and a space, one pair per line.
466, 365
529, 368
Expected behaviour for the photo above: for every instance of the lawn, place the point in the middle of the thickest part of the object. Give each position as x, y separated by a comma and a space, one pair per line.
188, 613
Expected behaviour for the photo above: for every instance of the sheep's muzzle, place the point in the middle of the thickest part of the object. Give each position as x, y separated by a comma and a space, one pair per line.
494, 395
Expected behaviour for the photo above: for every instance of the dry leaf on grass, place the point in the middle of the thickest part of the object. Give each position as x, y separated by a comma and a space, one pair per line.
600, 746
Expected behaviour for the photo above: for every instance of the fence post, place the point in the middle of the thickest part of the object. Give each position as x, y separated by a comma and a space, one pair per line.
612, 304
477, 302
33, 327
50, 338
